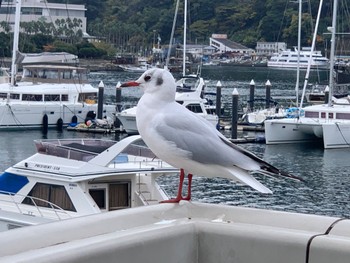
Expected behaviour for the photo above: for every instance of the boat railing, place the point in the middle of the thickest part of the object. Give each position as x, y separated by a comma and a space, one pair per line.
81, 150
40, 209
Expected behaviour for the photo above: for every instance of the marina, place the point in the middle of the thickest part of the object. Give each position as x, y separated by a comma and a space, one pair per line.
324, 192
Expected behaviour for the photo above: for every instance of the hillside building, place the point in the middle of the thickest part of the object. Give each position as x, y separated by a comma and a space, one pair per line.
34, 10
224, 45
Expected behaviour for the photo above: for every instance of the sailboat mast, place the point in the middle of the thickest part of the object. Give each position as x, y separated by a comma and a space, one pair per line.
332, 52
184, 43
311, 52
15, 41
299, 47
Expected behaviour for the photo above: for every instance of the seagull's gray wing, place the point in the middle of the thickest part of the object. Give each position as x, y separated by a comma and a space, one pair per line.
195, 135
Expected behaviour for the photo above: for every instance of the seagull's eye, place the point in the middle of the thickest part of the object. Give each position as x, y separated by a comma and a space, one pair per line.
147, 78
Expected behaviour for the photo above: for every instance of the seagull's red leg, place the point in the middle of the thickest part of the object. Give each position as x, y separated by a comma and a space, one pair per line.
188, 197
179, 193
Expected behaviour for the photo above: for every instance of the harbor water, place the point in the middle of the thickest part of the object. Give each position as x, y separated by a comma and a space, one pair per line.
325, 190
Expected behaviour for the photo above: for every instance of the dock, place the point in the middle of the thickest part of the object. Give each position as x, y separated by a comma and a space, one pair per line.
95, 130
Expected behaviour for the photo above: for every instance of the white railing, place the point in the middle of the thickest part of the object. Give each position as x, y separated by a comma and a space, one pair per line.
34, 209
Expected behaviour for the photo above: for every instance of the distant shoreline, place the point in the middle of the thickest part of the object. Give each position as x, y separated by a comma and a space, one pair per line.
90, 64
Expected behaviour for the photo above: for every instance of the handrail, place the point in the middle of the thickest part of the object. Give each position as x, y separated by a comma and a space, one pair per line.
51, 206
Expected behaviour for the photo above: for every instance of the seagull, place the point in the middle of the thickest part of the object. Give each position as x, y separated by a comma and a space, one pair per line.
187, 141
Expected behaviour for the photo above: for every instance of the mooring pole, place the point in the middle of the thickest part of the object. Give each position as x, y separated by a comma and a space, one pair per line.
251, 95
101, 87
118, 101
268, 93
234, 120
218, 99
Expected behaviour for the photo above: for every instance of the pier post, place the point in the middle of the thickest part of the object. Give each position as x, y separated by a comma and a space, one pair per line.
234, 120
268, 93
101, 87
118, 101
218, 99
251, 95
326, 94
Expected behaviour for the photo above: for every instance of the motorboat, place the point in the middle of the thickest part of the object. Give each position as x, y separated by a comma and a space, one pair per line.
51, 91
189, 94
77, 177
289, 59
188, 232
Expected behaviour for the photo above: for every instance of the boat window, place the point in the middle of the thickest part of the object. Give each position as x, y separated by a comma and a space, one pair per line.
64, 97
88, 97
14, 96
119, 195
343, 116
55, 194
311, 114
323, 115
195, 108
48, 74
99, 196
3, 95
52, 97
67, 75
32, 97
330, 115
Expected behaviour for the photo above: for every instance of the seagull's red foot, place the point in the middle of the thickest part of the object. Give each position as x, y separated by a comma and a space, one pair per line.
179, 193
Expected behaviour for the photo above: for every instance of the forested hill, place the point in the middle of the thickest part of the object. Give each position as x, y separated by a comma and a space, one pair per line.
139, 22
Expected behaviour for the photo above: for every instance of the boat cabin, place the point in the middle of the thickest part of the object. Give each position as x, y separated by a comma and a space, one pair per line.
54, 74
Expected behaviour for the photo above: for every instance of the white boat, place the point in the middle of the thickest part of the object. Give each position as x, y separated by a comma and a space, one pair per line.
47, 93
188, 94
185, 232
289, 59
77, 177
328, 123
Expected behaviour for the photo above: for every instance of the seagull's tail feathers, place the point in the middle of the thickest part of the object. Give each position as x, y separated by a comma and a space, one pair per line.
246, 178
265, 168
269, 170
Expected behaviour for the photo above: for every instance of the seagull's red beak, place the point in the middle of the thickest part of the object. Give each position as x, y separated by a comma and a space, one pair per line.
130, 84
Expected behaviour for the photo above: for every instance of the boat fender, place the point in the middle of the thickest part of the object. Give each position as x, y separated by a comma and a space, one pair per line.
75, 119
59, 124
45, 124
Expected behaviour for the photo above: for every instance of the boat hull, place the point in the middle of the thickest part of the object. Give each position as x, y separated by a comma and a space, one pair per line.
291, 131
336, 135
30, 116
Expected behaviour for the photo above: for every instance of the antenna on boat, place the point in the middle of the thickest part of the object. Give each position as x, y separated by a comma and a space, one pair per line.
15, 41
172, 35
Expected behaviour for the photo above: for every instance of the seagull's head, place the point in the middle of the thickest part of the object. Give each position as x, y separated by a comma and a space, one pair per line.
156, 81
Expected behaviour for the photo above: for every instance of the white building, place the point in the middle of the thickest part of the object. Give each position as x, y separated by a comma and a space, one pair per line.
269, 48
33, 10
223, 45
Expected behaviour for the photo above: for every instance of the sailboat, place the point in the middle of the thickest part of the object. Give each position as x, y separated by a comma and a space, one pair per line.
328, 123
48, 94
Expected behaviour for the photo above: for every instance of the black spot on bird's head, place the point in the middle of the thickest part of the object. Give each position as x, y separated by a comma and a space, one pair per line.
159, 81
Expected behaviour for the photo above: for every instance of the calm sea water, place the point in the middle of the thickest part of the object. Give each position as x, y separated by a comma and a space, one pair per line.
326, 190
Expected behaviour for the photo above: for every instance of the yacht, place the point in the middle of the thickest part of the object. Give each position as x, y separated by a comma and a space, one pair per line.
77, 177
51, 94
189, 94
289, 59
